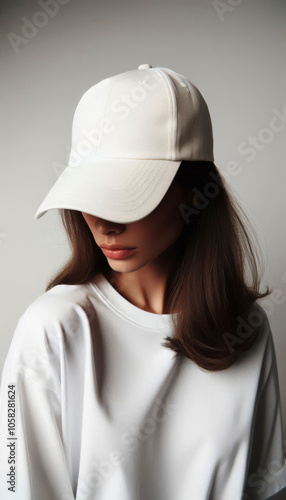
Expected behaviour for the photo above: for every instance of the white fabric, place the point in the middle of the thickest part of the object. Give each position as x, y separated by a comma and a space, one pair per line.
104, 412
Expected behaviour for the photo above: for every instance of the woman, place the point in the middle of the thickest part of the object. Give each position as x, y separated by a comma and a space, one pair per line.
146, 371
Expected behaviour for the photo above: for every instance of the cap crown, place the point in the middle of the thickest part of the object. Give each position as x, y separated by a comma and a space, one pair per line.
152, 113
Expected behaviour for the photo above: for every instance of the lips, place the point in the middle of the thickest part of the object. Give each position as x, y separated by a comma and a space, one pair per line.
116, 247
117, 252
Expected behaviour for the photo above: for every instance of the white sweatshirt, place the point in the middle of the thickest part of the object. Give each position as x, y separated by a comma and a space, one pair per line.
104, 412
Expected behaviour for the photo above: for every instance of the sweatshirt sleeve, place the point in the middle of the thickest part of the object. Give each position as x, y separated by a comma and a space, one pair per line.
266, 474
33, 462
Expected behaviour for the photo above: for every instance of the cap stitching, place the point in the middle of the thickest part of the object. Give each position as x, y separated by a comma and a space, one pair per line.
103, 107
173, 102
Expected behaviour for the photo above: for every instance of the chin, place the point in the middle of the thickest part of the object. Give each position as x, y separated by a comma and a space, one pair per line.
124, 266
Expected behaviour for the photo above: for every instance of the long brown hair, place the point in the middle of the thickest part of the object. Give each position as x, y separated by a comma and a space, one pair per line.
209, 287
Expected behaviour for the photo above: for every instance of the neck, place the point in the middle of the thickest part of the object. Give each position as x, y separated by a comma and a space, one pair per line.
148, 287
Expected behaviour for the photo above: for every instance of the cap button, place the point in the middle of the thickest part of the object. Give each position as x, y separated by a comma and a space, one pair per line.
144, 66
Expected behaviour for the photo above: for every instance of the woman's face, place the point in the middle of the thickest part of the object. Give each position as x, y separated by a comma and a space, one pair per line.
148, 237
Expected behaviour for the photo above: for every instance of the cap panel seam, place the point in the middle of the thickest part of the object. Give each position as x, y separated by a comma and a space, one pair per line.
103, 107
172, 150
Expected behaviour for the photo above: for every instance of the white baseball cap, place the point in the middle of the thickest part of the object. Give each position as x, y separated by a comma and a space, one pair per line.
130, 134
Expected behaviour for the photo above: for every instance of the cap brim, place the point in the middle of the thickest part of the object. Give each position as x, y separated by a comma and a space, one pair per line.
124, 190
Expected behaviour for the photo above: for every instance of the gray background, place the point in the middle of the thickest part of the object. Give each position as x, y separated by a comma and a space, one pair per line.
237, 59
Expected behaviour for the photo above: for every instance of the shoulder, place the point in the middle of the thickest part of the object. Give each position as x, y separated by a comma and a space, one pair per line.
58, 303
258, 361
51, 318
258, 319
256, 323
265, 343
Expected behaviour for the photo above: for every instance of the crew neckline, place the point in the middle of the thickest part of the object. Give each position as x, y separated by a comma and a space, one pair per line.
124, 307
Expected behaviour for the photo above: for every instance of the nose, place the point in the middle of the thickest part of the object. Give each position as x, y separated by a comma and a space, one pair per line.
104, 226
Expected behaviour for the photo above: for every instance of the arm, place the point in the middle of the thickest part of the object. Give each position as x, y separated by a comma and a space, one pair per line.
32, 462
266, 472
